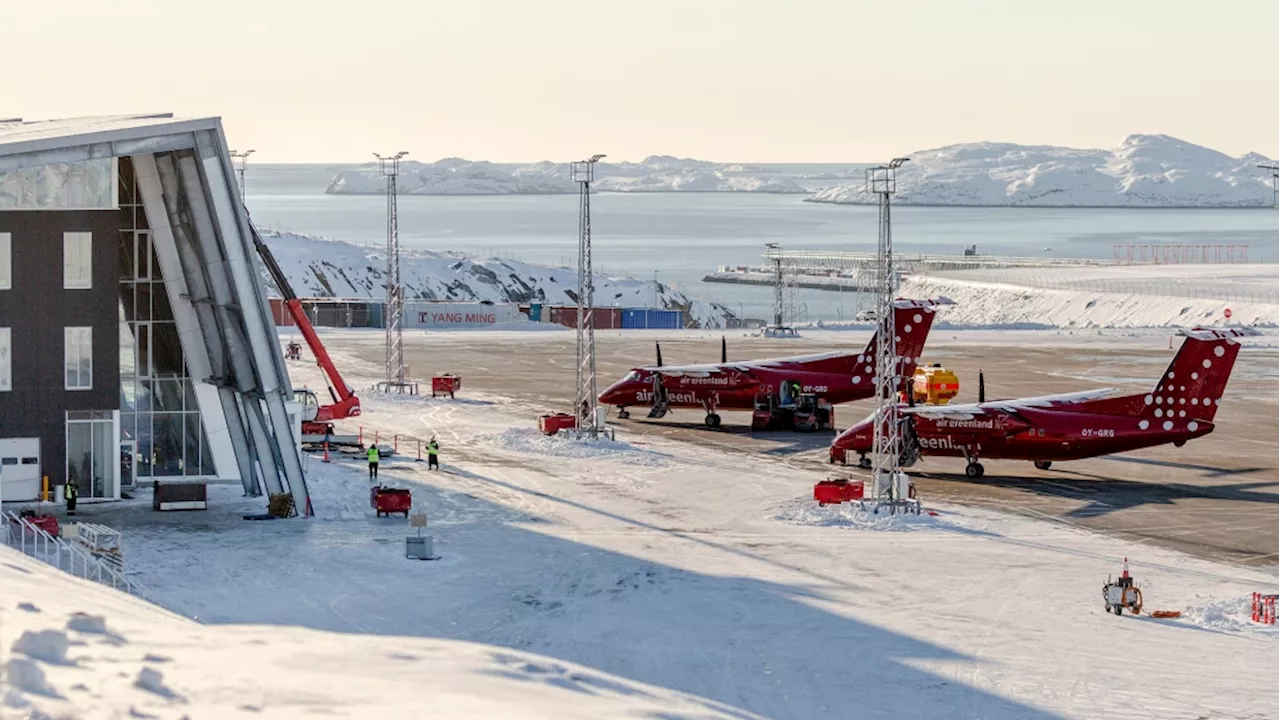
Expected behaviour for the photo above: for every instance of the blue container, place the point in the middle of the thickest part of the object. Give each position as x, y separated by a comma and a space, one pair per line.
535, 312
665, 319
634, 318
376, 316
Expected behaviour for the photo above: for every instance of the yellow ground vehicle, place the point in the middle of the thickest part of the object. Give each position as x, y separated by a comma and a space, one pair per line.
934, 385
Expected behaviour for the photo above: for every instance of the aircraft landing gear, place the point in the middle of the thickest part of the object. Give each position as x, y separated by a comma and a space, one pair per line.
712, 420
622, 413
864, 462
1042, 464
973, 470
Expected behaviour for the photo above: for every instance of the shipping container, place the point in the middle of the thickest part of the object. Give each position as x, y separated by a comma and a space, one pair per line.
605, 318
544, 314
652, 319
535, 312
329, 312
460, 315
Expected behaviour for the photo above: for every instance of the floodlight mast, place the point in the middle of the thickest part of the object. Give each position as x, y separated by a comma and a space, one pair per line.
583, 173
886, 448
241, 160
389, 166
1275, 182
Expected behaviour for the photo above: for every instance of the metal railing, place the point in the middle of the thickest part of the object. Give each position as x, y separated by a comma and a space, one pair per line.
32, 540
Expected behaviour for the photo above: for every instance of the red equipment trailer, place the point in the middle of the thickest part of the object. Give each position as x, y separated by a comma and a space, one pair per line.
445, 384
552, 424
834, 492
387, 500
317, 419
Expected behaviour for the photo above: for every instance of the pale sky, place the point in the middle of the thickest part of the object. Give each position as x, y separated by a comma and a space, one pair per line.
727, 80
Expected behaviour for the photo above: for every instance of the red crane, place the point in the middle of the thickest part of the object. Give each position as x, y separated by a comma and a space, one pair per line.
317, 420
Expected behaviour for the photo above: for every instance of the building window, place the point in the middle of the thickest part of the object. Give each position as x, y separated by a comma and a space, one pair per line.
6, 360
6, 261
79, 358
77, 260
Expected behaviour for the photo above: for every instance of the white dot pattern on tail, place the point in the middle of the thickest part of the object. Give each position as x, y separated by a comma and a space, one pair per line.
906, 328
1168, 425
1219, 352
857, 379
1206, 363
918, 317
1147, 399
1143, 424
1159, 412
1193, 426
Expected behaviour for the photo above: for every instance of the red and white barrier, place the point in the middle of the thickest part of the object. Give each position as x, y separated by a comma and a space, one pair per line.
1264, 609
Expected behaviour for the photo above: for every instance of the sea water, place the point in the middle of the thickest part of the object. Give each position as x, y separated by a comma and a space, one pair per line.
678, 238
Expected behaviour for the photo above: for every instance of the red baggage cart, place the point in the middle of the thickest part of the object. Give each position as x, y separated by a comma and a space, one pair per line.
834, 492
386, 500
446, 384
552, 424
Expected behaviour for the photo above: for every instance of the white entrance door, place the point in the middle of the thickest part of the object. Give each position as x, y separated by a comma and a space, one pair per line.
19, 469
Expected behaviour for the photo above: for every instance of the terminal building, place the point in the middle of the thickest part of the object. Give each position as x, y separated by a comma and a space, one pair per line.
136, 343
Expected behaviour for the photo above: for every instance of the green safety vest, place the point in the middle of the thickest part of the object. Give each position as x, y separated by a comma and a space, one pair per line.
69, 491
373, 454
433, 449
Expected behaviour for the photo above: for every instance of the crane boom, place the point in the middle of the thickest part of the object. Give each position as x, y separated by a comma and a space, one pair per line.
345, 403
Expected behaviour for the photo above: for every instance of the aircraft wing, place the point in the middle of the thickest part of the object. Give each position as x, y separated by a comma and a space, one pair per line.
975, 409
745, 366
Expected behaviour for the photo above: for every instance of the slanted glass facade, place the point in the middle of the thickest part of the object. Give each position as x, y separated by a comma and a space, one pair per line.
87, 185
158, 410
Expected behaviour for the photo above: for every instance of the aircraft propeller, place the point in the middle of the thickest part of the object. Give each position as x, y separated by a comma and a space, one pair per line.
658, 348
724, 350
982, 388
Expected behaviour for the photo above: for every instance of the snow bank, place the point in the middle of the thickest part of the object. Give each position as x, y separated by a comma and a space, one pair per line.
1090, 297
533, 442
1232, 615
324, 268
805, 512
152, 663
656, 173
1143, 171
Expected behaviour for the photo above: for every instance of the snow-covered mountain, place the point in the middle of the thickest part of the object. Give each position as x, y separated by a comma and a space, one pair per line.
656, 173
326, 268
1143, 171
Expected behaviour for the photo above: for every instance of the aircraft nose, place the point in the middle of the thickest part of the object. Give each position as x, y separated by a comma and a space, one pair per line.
611, 394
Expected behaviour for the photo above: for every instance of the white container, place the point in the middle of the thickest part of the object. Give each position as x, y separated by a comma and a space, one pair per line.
442, 316
418, 547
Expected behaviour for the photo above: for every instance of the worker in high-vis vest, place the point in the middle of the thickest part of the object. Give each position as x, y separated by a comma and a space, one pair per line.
70, 492
433, 455
373, 462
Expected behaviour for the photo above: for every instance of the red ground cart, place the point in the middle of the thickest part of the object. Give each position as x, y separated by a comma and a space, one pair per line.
386, 500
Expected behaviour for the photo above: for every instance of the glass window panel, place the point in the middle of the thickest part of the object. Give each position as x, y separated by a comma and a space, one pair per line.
142, 301
6, 359
143, 253
189, 395
144, 455
142, 332
80, 455
167, 444
164, 394
160, 309
166, 350
126, 255
78, 357
192, 443
105, 460
206, 454
77, 260
127, 430
6, 261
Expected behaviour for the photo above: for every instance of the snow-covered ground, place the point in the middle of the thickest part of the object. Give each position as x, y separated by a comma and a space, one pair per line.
72, 648
317, 267
1115, 296
656, 173
647, 571
1143, 171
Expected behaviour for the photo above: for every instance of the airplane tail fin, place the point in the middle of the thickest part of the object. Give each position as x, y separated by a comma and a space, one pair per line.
1192, 386
912, 320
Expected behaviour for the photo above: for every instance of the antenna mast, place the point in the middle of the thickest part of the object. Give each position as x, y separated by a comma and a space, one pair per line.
241, 159
583, 172
395, 371
886, 447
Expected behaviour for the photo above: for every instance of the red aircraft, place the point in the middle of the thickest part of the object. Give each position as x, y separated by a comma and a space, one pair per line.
1070, 426
833, 377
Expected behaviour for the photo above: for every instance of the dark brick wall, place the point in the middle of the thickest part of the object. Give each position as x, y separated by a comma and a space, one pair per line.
38, 308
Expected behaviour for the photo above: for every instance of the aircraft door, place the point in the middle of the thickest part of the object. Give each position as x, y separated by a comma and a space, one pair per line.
788, 392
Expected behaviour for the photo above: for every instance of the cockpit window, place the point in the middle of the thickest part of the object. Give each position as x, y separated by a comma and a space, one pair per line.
633, 375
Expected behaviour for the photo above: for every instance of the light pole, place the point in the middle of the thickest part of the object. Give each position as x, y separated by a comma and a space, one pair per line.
241, 160
395, 372
1275, 182
583, 172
